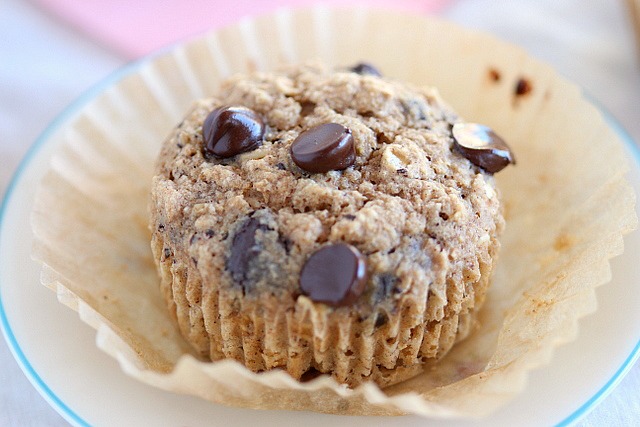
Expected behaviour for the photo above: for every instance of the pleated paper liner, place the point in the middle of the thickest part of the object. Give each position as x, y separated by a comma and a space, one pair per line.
567, 207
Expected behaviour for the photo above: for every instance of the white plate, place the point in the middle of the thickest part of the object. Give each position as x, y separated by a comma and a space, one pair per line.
58, 354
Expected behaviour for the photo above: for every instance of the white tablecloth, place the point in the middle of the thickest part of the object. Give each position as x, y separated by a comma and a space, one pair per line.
44, 66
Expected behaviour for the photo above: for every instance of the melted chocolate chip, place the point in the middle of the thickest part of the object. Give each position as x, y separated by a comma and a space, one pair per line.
323, 148
228, 131
244, 249
335, 275
482, 146
364, 68
385, 286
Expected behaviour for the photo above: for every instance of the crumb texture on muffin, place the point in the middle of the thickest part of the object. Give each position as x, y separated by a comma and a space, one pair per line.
231, 235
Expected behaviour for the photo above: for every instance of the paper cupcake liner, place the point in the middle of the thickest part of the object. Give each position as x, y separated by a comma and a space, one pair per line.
567, 207
311, 337
384, 344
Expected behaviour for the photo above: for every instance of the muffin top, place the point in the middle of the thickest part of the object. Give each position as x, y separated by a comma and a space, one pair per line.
285, 182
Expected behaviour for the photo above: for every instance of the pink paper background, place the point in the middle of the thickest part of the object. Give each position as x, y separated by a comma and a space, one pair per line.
134, 28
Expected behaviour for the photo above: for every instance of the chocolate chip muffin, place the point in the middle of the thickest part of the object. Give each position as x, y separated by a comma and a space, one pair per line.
326, 221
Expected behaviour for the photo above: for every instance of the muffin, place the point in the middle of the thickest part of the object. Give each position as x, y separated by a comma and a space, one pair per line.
326, 221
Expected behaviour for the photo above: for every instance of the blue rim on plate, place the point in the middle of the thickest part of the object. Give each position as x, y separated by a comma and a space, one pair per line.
633, 357
63, 409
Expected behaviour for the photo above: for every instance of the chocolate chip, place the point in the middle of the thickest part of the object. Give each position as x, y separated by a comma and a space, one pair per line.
482, 146
364, 68
523, 87
350, 217
244, 249
281, 166
209, 233
228, 131
335, 275
402, 171
323, 148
